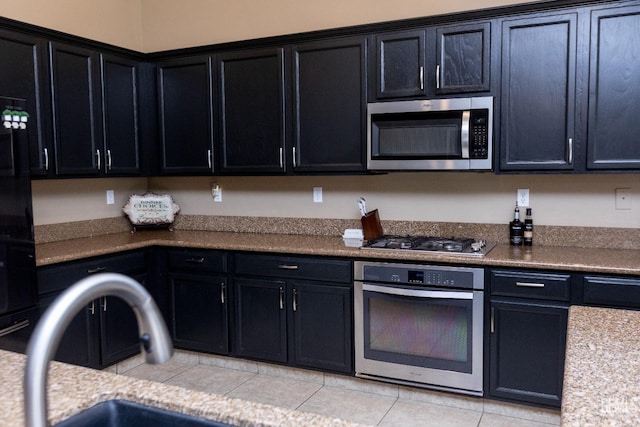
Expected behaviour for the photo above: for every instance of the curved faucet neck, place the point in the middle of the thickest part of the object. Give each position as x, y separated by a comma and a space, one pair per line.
50, 329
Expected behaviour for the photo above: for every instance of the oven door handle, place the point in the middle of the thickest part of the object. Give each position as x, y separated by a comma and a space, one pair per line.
418, 292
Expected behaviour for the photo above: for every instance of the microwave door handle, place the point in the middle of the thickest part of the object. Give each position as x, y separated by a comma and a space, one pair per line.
464, 134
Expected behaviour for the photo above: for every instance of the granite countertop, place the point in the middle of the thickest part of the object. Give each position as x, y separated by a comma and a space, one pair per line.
602, 368
73, 389
611, 261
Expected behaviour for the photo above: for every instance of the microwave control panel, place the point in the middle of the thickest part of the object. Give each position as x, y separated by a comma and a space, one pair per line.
479, 135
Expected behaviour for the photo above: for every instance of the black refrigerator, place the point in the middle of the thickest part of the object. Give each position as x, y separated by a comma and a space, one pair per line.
18, 311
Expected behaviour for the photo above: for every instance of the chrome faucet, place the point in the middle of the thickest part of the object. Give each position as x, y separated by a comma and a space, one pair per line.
155, 341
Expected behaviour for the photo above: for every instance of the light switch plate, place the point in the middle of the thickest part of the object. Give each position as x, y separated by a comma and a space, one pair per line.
317, 194
110, 197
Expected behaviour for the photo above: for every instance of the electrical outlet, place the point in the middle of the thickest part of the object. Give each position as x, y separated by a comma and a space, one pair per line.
216, 192
623, 198
110, 197
522, 197
317, 194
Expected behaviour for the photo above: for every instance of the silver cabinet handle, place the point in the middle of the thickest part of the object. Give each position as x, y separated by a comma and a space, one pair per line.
281, 298
287, 267
210, 158
295, 299
223, 290
493, 320
281, 158
108, 159
570, 151
195, 260
530, 285
464, 134
92, 307
421, 78
438, 76
295, 162
46, 159
104, 303
95, 270
98, 158
14, 328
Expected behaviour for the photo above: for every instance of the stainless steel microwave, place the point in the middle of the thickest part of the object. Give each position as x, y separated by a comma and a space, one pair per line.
436, 134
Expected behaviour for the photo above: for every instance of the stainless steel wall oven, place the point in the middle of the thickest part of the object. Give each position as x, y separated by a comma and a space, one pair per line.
420, 325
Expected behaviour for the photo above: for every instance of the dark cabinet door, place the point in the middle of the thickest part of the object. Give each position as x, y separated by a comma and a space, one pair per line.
614, 89
199, 314
400, 64
75, 98
252, 99
186, 116
538, 93
23, 71
527, 351
120, 116
322, 331
329, 106
260, 319
463, 60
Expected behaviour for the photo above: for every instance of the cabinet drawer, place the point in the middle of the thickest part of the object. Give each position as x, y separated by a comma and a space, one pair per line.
614, 291
60, 276
294, 267
198, 260
530, 285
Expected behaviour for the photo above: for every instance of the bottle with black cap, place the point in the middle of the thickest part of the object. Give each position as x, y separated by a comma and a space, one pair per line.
515, 228
527, 239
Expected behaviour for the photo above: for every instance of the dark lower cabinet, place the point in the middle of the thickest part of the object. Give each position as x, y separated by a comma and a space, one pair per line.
106, 330
261, 319
199, 312
199, 299
527, 351
282, 316
527, 335
321, 336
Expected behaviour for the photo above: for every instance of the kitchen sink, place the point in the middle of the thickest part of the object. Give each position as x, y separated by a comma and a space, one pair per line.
116, 413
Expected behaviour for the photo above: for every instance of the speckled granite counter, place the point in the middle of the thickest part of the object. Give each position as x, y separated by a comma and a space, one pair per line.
73, 389
612, 261
602, 368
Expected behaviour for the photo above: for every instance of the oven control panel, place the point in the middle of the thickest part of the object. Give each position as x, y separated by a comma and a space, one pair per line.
408, 274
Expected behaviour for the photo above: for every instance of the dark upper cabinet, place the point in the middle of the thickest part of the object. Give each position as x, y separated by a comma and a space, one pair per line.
186, 116
614, 89
120, 105
23, 74
75, 93
251, 93
400, 64
463, 58
452, 59
329, 106
538, 100
95, 106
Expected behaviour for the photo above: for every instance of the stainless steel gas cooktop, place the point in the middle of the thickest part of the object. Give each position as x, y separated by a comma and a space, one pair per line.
463, 246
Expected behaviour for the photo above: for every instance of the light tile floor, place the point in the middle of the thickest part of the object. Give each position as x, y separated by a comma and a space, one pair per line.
362, 401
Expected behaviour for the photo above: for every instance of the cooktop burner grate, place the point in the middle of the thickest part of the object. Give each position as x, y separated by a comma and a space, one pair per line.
458, 245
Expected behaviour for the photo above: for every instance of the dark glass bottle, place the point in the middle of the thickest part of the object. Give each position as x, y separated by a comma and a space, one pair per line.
515, 228
528, 229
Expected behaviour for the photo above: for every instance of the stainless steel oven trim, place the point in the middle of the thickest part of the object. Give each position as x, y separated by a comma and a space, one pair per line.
400, 290
460, 104
420, 377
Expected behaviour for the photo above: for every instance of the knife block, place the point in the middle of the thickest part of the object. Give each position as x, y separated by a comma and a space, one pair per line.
371, 226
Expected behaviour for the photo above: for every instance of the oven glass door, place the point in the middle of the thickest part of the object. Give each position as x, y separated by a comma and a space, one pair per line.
427, 328
419, 135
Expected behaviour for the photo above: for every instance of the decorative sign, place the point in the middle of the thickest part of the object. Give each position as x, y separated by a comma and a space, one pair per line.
151, 209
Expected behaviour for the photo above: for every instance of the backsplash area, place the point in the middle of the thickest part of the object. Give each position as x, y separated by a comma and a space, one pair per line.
587, 237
